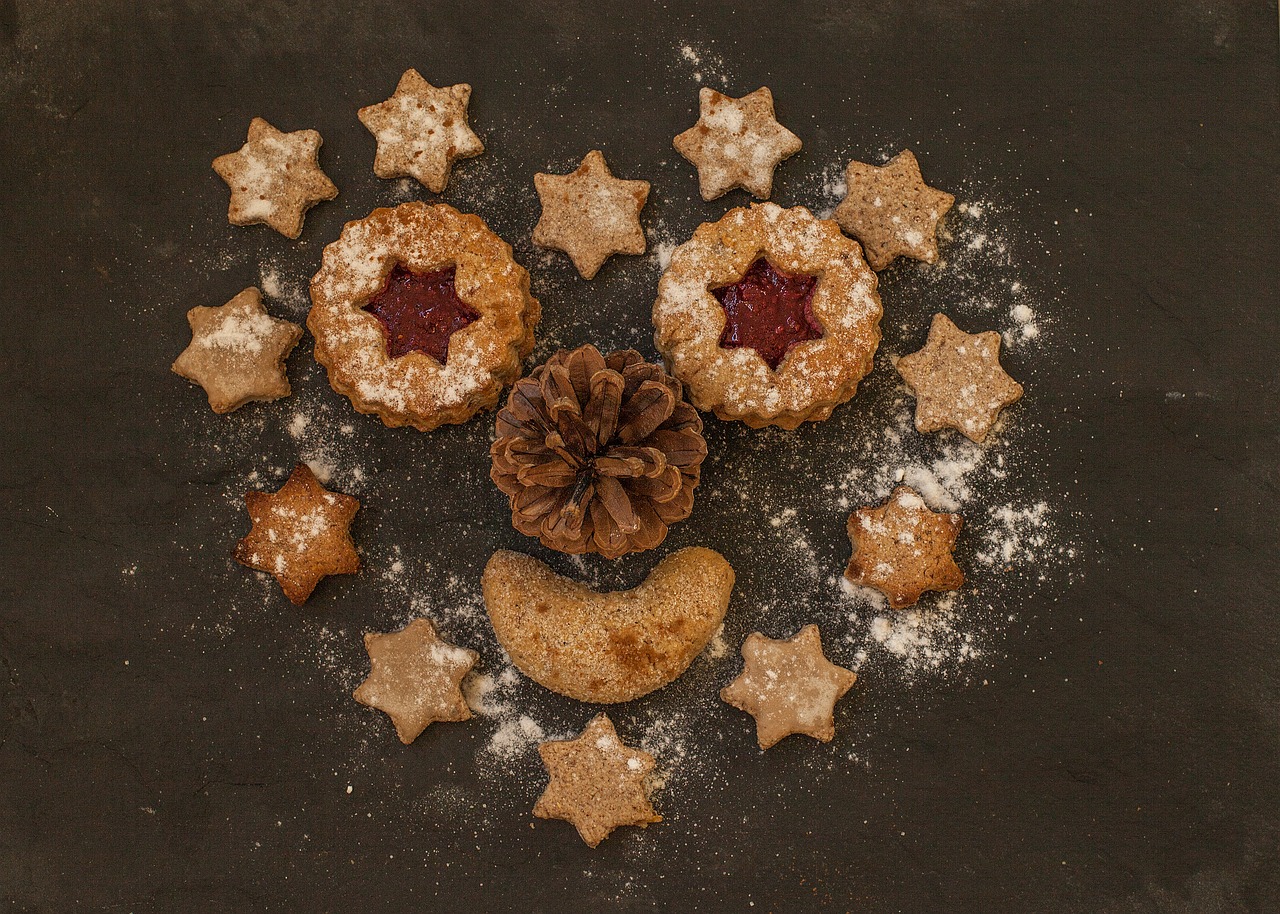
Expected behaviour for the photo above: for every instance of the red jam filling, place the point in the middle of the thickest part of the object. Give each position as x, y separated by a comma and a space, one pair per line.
420, 311
768, 310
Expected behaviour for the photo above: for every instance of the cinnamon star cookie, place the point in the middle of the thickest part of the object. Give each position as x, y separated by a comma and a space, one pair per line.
237, 352
892, 211
737, 142
274, 178
902, 549
589, 214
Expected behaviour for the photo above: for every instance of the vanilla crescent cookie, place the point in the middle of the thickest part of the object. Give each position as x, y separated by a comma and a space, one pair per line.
769, 315
421, 315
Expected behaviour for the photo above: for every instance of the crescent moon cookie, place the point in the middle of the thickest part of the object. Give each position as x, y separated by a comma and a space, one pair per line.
420, 315
769, 315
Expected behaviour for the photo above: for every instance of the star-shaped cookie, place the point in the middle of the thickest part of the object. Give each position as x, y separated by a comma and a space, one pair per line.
957, 380
415, 678
892, 211
589, 214
902, 549
275, 178
789, 686
737, 142
300, 534
597, 783
421, 131
237, 352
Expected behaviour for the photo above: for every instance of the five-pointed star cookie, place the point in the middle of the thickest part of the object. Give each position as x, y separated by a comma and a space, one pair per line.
892, 211
415, 678
589, 214
957, 380
597, 783
902, 549
421, 131
300, 534
789, 686
237, 352
737, 142
274, 178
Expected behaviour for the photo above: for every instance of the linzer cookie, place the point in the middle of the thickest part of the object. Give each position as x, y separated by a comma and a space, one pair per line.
597, 783
421, 131
589, 214
300, 534
237, 352
421, 315
902, 549
737, 142
957, 380
892, 211
770, 316
789, 686
274, 178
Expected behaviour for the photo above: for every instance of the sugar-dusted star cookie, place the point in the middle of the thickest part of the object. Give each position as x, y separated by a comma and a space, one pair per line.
789, 686
275, 178
957, 380
737, 142
300, 534
421, 131
237, 352
415, 678
892, 211
597, 783
589, 214
902, 549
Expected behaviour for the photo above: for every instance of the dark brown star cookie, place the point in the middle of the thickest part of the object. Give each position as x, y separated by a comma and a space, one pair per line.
902, 549
892, 211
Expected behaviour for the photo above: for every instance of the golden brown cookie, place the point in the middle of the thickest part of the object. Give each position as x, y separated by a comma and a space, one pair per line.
589, 214
274, 178
606, 647
415, 678
957, 380
892, 211
597, 783
237, 352
789, 686
421, 315
902, 549
737, 142
421, 131
769, 315
300, 534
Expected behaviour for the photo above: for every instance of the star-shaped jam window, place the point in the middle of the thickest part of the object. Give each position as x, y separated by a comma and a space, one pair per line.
902, 549
415, 678
957, 380
589, 214
300, 534
421, 131
597, 782
789, 686
237, 352
892, 211
737, 142
420, 312
769, 311
275, 178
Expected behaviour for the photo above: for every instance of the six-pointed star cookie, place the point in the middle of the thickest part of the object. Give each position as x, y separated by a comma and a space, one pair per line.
789, 686
597, 783
589, 214
300, 534
957, 380
421, 131
737, 142
274, 178
415, 678
237, 352
902, 549
892, 211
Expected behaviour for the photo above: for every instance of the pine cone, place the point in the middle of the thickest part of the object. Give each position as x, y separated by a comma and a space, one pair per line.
598, 454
